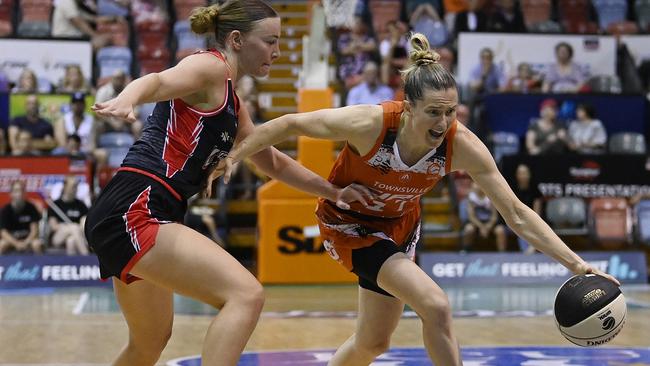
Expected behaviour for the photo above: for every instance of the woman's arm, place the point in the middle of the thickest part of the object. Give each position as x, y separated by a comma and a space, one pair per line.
193, 76
472, 155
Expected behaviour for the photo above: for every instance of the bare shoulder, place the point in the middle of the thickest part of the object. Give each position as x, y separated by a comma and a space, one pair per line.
470, 153
366, 117
204, 64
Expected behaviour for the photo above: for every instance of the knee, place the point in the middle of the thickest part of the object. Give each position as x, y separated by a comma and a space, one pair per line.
251, 297
373, 346
500, 230
148, 348
437, 310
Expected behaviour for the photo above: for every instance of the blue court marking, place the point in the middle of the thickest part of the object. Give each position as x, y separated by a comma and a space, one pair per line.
472, 356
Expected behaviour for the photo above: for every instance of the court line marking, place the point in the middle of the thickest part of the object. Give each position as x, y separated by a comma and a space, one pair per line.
81, 303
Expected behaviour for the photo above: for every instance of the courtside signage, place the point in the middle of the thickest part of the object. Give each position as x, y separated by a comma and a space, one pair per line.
23, 271
516, 268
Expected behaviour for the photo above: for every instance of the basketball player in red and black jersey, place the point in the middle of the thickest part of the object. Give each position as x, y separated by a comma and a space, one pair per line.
396, 152
135, 225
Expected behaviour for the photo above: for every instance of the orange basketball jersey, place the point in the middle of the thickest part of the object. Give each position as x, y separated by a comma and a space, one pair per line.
395, 213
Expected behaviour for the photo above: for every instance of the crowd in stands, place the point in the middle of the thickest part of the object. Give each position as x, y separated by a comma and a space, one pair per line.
131, 38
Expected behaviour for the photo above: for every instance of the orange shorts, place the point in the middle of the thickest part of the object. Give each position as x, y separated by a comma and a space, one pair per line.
344, 231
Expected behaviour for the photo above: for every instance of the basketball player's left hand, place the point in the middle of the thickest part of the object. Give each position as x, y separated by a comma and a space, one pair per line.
353, 192
215, 173
587, 268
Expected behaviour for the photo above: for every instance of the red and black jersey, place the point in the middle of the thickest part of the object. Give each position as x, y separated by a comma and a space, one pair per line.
179, 143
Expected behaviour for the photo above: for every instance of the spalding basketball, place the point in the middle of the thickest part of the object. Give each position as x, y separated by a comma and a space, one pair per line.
589, 310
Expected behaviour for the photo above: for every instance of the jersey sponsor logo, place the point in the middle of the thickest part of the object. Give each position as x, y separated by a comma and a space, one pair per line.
181, 140
475, 356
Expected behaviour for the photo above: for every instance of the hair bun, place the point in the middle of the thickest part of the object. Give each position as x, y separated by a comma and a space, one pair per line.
203, 19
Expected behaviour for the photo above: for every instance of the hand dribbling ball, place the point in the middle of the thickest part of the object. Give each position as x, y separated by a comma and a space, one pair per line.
589, 310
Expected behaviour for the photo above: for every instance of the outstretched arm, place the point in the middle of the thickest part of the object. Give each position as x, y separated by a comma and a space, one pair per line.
470, 154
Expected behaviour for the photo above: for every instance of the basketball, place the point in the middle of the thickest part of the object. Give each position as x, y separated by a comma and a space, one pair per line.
589, 310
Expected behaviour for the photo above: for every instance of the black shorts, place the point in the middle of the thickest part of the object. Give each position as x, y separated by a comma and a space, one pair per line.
367, 262
123, 223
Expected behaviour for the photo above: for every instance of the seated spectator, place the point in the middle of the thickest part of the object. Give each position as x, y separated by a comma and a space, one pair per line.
149, 11
19, 223
76, 19
545, 135
109, 91
27, 82
66, 220
77, 122
201, 216
507, 18
73, 81
393, 54
23, 146
370, 91
486, 77
463, 114
426, 20
482, 217
40, 130
524, 82
447, 59
587, 134
72, 148
564, 76
356, 48
530, 196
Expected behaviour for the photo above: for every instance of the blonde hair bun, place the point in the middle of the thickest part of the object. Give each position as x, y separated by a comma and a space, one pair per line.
421, 53
204, 19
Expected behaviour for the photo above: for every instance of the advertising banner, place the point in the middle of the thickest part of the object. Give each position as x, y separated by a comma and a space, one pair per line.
23, 271
595, 54
517, 268
585, 176
43, 177
47, 59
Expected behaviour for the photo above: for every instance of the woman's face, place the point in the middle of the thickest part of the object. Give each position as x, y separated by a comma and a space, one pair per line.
581, 114
260, 47
563, 54
433, 115
27, 81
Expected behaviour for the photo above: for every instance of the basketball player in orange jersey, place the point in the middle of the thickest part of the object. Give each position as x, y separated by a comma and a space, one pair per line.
398, 151
135, 227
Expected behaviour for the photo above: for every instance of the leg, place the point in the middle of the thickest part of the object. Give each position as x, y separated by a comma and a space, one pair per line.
5, 246
469, 235
405, 280
36, 245
378, 318
190, 264
502, 237
60, 236
149, 312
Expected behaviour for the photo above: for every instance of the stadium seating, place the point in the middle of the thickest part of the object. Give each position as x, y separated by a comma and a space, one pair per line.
604, 84
383, 12
186, 41
118, 29
116, 139
642, 221
642, 8
6, 12
111, 8
610, 221
630, 143
536, 12
574, 16
610, 12
567, 215
111, 59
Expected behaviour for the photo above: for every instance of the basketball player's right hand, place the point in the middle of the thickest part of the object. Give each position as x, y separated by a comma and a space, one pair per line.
353, 193
586, 268
115, 108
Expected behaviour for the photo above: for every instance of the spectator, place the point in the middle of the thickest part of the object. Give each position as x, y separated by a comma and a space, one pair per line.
447, 59
73, 81
66, 219
393, 54
40, 130
482, 217
524, 82
564, 76
107, 92
530, 196
24, 146
77, 122
27, 82
485, 78
356, 48
76, 19
587, 134
426, 20
201, 216
154, 11
370, 91
452, 8
72, 148
472, 20
507, 18
545, 135
19, 223
463, 114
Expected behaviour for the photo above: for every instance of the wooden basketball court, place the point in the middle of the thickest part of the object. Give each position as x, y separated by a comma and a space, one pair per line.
83, 326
